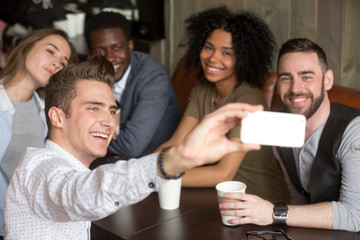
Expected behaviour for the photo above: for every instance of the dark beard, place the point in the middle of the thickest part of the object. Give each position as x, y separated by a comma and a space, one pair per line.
315, 102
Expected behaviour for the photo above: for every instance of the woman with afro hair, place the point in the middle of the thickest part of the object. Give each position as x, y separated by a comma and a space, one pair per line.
235, 51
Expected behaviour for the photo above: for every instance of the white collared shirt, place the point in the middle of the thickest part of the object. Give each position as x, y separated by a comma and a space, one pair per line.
119, 86
53, 196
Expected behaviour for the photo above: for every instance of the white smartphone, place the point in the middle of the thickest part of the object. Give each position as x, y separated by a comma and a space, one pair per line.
273, 129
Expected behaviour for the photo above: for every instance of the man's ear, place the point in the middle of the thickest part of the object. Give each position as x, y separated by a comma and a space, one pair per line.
57, 117
328, 79
131, 44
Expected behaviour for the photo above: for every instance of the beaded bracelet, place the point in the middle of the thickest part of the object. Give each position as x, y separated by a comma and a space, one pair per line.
161, 165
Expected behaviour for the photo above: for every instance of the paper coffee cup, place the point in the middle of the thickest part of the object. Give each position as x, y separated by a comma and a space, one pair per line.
72, 26
229, 187
80, 23
61, 24
169, 194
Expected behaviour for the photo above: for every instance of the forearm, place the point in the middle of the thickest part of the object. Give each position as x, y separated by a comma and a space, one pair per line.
210, 175
260, 212
205, 176
318, 215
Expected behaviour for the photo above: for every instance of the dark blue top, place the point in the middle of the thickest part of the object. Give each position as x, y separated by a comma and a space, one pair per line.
149, 109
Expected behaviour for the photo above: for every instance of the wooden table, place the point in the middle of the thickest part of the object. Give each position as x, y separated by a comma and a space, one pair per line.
197, 218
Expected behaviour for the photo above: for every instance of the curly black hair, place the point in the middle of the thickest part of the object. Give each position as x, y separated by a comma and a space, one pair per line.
252, 39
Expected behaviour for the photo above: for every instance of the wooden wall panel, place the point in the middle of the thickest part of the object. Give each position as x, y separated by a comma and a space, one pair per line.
333, 24
303, 19
276, 14
329, 33
351, 50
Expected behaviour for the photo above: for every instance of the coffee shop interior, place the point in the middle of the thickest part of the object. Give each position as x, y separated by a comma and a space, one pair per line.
159, 25
158, 29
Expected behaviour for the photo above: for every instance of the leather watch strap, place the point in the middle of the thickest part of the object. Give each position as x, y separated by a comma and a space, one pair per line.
280, 214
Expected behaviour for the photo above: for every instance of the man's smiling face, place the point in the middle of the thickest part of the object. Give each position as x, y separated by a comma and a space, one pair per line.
113, 45
301, 83
90, 125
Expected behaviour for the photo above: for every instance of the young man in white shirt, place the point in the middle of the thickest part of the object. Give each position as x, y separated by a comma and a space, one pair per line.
54, 195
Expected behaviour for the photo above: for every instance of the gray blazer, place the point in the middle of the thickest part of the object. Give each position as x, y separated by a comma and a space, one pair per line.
149, 109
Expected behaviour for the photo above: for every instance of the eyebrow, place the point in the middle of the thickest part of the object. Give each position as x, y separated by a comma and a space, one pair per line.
101, 104
226, 48
299, 73
284, 74
306, 72
57, 50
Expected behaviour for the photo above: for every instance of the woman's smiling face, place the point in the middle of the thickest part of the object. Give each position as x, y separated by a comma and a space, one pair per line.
218, 57
47, 57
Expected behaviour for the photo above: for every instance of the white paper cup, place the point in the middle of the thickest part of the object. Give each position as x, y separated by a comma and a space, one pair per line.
72, 31
80, 22
229, 187
61, 24
169, 194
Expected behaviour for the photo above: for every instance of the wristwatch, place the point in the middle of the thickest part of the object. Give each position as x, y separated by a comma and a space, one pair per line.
280, 214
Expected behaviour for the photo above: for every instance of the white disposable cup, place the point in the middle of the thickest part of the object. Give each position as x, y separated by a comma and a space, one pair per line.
169, 194
229, 187
80, 23
62, 25
72, 24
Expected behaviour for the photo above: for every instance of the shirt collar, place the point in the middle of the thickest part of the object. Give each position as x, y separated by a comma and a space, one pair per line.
119, 86
66, 156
